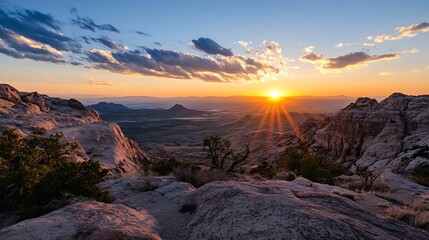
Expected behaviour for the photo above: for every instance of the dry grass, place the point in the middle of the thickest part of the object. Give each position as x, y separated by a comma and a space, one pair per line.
416, 215
199, 177
149, 184
382, 205
344, 194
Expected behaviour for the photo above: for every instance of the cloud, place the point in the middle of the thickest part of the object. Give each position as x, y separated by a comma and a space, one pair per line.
106, 42
401, 32
157, 43
98, 82
368, 44
26, 34
348, 61
272, 48
142, 33
209, 46
33, 35
110, 43
89, 24
385, 73
340, 45
311, 57
173, 64
75, 63
309, 49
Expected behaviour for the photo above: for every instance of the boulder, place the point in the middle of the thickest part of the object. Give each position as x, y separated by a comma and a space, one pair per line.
86, 220
290, 210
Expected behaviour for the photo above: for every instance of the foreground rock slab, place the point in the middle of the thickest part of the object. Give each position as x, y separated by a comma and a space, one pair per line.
86, 220
289, 210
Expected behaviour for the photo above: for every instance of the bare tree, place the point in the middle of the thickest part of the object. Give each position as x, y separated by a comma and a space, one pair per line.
367, 177
222, 156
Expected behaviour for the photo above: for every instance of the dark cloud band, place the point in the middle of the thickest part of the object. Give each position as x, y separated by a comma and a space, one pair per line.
209, 46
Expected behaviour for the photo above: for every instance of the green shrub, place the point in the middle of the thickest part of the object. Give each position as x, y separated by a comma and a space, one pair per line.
302, 163
265, 170
164, 166
421, 175
34, 171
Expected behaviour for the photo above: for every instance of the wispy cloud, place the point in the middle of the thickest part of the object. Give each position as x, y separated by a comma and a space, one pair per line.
33, 35
142, 33
386, 73
98, 82
110, 43
401, 32
309, 49
209, 46
348, 61
340, 45
89, 24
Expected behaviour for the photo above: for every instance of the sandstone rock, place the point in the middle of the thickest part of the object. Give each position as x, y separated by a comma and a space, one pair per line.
288, 176
9, 93
375, 135
163, 203
86, 220
33, 113
290, 210
37, 99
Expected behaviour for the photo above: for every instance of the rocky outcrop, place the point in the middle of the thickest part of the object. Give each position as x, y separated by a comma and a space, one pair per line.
86, 220
34, 113
291, 210
389, 134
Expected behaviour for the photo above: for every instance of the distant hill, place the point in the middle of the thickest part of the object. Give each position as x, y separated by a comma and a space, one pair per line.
108, 107
177, 111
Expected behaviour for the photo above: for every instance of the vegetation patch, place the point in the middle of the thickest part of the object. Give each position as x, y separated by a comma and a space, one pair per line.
164, 166
421, 175
35, 172
198, 177
149, 184
416, 215
302, 163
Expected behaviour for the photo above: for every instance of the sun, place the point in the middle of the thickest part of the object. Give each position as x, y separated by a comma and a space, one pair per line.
274, 95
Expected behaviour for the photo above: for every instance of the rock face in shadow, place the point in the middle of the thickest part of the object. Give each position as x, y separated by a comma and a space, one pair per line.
34, 113
391, 134
290, 210
86, 220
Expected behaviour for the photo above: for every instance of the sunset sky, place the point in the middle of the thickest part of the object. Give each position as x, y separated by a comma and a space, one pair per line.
215, 48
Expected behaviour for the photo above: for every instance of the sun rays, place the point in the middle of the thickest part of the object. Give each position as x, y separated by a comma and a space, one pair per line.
272, 120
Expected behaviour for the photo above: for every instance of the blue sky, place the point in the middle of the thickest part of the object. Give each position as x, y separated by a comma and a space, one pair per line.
292, 25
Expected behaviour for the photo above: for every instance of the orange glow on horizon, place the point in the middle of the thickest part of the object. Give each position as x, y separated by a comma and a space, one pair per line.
275, 95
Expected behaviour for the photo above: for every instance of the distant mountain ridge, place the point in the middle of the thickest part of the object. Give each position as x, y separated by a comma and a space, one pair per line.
115, 112
108, 107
